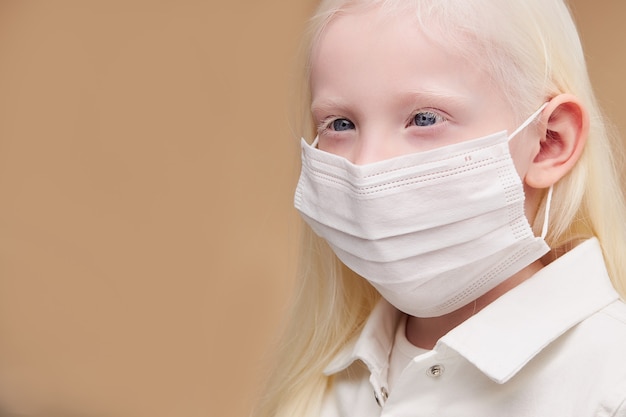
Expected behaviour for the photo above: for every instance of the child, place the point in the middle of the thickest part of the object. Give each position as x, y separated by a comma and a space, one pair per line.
464, 232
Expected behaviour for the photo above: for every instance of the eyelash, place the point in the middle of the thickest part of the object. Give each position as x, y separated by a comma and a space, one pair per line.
326, 123
437, 115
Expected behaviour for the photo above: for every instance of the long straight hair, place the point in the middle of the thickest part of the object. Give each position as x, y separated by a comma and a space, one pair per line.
532, 50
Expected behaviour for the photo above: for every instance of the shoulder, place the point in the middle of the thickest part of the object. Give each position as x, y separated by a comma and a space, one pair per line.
607, 323
598, 348
614, 403
602, 336
616, 312
586, 366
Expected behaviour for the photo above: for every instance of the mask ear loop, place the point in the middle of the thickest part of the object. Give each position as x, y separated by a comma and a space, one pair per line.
544, 229
528, 121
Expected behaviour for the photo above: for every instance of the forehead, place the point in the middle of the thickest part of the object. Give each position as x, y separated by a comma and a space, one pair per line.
402, 17
374, 49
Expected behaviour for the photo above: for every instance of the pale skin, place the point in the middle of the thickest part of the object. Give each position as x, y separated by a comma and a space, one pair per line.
382, 89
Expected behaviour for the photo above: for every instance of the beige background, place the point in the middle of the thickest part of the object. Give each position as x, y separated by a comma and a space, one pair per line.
146, 172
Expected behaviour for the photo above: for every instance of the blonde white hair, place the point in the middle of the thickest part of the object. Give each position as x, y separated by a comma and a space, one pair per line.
532, 50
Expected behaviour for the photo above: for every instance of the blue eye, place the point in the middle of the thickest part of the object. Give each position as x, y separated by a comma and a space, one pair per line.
426, 118
341, 125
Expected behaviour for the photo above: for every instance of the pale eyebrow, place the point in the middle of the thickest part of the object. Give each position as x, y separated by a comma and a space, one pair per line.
436, 97
327, 104
422, 97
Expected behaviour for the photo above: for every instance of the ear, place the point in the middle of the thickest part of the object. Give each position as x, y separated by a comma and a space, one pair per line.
564, 130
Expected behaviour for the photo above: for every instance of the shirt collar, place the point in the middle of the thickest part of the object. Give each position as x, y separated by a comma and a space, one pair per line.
509, 332
374, 343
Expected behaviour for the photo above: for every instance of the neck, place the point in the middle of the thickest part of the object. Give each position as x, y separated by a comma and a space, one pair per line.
424, 332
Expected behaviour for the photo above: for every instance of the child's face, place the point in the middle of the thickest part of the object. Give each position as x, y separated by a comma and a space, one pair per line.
380, 88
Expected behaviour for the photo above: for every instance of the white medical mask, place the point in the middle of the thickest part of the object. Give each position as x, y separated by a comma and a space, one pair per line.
431, 231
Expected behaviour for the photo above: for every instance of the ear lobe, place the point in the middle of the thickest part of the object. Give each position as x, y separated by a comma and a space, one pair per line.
564, 131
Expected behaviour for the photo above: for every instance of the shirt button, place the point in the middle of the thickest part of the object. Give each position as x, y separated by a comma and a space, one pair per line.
435, 371
382, 397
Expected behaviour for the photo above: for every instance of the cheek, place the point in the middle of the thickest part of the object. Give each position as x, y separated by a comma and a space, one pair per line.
531, 203
523, 149
340, 147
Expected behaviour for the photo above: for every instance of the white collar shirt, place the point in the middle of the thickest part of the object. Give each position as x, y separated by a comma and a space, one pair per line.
555, 345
